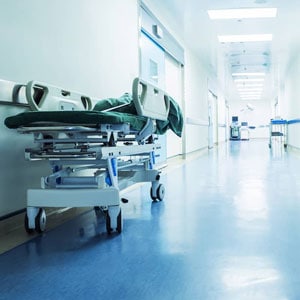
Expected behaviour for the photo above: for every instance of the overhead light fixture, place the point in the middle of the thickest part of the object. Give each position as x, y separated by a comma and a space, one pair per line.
245, 38
243, 13
250, 94
249, 85
245, 96
249, 74
249, 80
251, 98
249, 89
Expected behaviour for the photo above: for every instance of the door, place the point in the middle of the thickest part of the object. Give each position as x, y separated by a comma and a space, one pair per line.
212, 120
153, 70
173, 71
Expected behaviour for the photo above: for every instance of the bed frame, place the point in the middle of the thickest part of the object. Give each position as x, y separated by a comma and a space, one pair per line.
90, 165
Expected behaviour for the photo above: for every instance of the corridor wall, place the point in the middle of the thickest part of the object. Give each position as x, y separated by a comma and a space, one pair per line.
196, 74
290, 104
87, 46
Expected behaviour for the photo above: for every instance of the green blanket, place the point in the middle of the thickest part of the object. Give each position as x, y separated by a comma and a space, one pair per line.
125, 104
123, 112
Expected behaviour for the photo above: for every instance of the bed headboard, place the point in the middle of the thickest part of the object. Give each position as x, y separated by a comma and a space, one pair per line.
149, 100
57, 98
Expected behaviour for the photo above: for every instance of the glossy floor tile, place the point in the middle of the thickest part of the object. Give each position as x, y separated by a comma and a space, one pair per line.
229, 228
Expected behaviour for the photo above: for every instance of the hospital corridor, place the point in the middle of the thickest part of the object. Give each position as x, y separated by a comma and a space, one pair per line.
150, 150
227, 229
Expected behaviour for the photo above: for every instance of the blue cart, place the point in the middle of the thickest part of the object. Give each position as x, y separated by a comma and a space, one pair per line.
278, 132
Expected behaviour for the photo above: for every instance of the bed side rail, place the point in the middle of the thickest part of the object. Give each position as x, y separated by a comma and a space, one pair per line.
12, 92
42, 96
149, 100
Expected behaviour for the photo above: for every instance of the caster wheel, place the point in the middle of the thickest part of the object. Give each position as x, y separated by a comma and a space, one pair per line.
108, 226
119, 223
26, 221
40, 221
159, 194
152, 195
98, 211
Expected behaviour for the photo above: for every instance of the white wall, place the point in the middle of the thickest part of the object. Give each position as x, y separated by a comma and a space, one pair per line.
222, 111
86, 45
259, 117
290, 103
196, 102
195, 83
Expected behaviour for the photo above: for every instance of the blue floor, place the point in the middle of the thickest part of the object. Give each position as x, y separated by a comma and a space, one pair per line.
229, 228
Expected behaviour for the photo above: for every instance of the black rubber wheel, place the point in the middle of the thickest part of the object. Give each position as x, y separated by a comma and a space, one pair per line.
119, 222
153, 197
40, 221
108, 226
98, 211
160, 193
26, 221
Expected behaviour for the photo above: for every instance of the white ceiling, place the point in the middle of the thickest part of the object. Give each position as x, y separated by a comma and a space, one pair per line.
191, 21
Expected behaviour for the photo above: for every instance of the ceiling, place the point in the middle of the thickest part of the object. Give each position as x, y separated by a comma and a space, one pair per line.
191, 22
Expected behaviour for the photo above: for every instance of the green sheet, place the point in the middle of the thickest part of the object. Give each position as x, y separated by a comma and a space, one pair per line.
124, 112
84, 118
126, 105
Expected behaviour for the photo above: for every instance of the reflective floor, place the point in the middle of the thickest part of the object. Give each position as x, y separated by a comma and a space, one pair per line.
229, 228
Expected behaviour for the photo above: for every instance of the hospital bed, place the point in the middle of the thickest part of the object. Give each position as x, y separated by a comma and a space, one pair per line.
93, 152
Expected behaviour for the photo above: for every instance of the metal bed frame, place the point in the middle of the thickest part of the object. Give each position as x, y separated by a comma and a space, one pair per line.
90, 165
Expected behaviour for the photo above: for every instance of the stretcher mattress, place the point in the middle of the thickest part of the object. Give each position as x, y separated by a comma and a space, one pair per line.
107, 111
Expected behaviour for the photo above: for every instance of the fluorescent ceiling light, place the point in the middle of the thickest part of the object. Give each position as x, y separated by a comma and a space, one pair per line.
245, 87
249, 85
250, 90
249, 80
250, 94
245, 38
242, 13
249, 74
251, 98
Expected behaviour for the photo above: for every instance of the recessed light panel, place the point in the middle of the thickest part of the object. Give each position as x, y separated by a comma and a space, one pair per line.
249, 80
245, 38
243, 13
249, 85
249, 74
